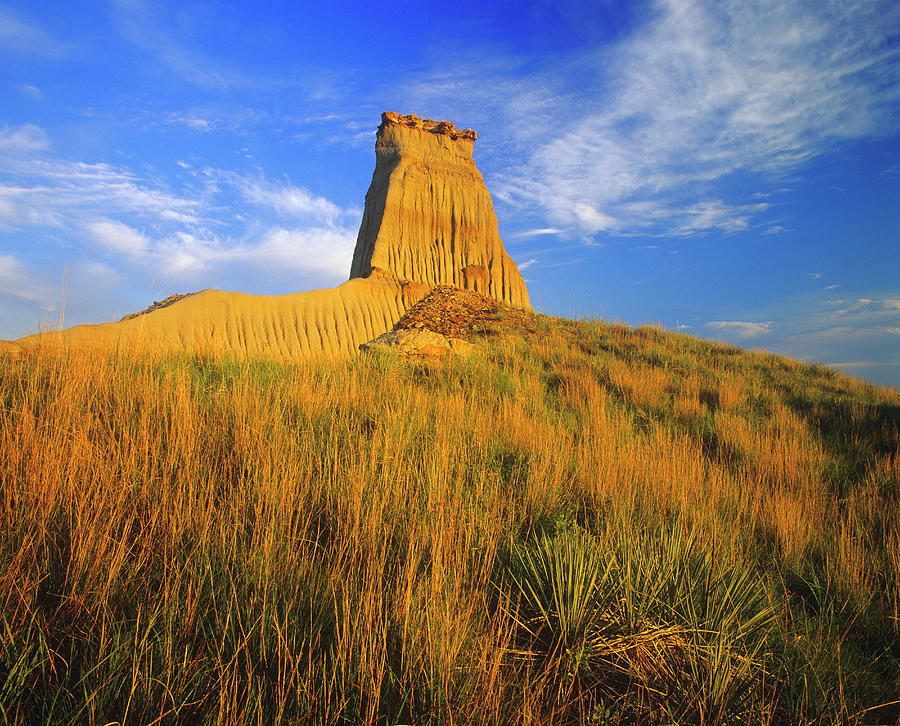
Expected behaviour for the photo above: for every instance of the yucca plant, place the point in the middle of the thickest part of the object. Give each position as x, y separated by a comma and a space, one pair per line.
645, 612
578, 632
728, 617
566, 593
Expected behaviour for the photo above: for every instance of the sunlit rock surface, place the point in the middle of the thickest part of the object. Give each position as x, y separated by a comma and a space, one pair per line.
428, 220
429, 216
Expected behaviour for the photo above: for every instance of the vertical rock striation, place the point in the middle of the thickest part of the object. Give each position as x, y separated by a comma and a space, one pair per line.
428, 221
428, 215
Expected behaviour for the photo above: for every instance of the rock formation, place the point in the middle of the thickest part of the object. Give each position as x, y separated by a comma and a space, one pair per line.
429, 216
158, 305
331, 322
413, 344
428, 220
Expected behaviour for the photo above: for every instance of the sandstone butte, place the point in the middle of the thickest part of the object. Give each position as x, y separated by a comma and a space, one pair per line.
428, 221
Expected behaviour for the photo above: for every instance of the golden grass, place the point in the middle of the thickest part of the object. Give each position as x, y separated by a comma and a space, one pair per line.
228, 542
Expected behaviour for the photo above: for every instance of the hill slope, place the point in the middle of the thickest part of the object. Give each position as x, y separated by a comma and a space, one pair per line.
583, 522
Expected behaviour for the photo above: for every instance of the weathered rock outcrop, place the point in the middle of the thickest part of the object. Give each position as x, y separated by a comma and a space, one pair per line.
428, 220
429, 216
414, 344
158, 305
331, 323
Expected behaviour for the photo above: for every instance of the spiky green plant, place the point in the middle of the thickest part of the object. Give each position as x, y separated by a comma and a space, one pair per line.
645, 612
564, 583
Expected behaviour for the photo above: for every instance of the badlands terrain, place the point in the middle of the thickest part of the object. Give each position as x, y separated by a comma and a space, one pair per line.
221, 510
428, 220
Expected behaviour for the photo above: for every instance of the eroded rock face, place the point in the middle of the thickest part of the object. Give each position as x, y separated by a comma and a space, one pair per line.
428, 220
429, 216
298, 326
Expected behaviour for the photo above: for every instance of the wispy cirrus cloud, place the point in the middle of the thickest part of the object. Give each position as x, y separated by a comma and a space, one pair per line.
742, 328
22, 139
193, 122
857, 334
715, 214
49, 192
25, 36
141, 23
17, 282
185, 228
30, 91
865, 307
539, 232
707, 90
698, 92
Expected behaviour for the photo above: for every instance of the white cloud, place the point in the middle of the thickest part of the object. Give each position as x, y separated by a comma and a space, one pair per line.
195, 123
591, 219
319, 251
185, 254
16, 281
22, 139
172, 215
868, 307
741, 328
52, 191
775, 229
870, 369
716, 214
539, 232
292, 201
22, 35
7, 210
862, 328
117, 237
33, 92
528, 263
700, 91
182, 233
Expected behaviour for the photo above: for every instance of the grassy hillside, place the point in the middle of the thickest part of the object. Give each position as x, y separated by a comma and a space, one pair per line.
585, 523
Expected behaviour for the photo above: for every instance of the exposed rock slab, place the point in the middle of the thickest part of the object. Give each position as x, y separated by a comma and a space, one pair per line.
417, 343
428, 215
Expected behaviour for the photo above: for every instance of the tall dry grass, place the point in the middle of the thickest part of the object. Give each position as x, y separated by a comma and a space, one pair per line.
591, 524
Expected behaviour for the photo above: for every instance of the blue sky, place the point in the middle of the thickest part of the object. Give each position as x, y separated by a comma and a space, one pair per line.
729, 168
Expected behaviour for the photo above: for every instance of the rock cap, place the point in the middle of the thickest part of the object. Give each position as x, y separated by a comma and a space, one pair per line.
447, 128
